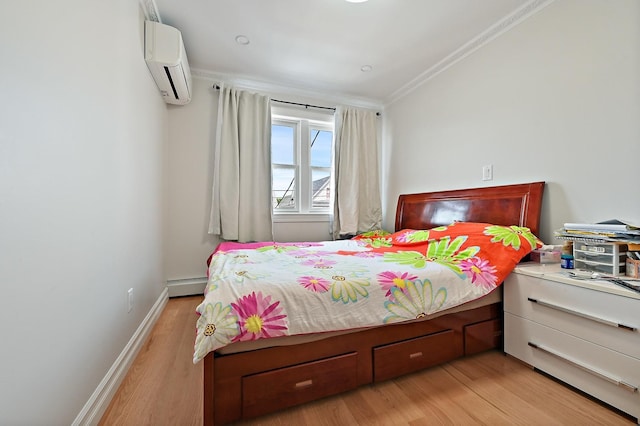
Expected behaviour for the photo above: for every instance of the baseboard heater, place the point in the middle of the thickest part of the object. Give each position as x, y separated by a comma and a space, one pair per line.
186, 287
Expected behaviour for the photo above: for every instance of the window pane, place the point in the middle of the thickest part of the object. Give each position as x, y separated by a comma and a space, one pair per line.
321, 148
321, 188
283, 188
282, 144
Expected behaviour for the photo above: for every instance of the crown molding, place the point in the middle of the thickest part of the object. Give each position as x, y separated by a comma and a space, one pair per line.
502, 26
248, 83
150, 10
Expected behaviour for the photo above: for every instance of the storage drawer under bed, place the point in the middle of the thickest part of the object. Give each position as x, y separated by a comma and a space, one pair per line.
285, 387
405, 357
482, 336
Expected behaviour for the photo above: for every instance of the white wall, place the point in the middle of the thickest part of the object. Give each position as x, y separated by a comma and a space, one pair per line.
82, 168
556, 98
191, 129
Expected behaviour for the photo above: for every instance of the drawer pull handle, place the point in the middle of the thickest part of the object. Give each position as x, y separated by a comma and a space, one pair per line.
304, 384
415, 355
582, 314
586, 368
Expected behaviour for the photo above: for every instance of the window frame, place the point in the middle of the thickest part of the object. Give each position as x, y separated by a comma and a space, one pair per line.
303, 121
288, 122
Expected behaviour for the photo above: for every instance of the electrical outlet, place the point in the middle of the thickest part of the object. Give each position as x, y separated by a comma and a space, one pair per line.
130, 300
487, 172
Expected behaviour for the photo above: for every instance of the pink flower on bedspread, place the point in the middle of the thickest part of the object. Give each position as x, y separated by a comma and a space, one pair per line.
319, 263
368, 254
389, 280
303, 244
258, 318
308, 253
319, 285
481, 272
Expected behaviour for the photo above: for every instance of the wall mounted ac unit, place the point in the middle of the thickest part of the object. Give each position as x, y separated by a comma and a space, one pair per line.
167, 60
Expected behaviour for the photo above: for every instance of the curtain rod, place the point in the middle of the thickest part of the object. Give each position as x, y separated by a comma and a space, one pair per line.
215, 86
304, 105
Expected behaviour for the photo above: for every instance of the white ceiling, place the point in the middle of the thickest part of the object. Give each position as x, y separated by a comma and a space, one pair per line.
319, 46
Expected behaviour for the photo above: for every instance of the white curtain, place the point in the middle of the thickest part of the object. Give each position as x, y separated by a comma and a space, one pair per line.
241, 194
357, 199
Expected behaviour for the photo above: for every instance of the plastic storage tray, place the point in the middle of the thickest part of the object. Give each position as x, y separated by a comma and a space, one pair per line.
605, 258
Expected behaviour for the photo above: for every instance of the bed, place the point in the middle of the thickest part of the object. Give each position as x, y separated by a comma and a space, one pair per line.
245, 377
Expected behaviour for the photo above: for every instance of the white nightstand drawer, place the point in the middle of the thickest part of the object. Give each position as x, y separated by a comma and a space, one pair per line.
606, 374
602, 318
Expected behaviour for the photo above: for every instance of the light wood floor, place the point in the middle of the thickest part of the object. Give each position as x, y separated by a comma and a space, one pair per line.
163, 387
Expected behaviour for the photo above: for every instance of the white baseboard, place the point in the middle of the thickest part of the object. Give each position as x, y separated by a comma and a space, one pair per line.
99, 401
187, 287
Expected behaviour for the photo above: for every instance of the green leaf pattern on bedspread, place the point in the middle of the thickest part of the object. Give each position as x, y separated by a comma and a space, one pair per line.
348, 290
448, 253
511, 236
265, 290
411, 258
416, 301
218, 325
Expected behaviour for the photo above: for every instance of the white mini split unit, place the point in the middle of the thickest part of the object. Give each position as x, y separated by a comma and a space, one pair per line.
167, 60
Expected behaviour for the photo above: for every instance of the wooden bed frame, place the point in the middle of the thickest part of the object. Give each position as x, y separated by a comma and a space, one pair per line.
249, 384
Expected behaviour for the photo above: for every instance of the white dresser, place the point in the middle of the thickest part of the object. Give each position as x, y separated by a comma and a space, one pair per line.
585, 333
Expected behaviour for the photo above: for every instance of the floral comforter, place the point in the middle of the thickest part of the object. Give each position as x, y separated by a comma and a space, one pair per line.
263, 290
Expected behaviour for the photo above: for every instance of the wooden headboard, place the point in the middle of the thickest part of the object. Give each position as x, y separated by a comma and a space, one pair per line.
501, 205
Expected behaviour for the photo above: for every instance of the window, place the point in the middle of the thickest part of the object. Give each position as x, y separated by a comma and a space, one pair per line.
301, 164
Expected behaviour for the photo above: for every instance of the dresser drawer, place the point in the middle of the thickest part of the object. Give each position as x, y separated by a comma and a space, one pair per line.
404, 357
274, 390
608, 375
606, 319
